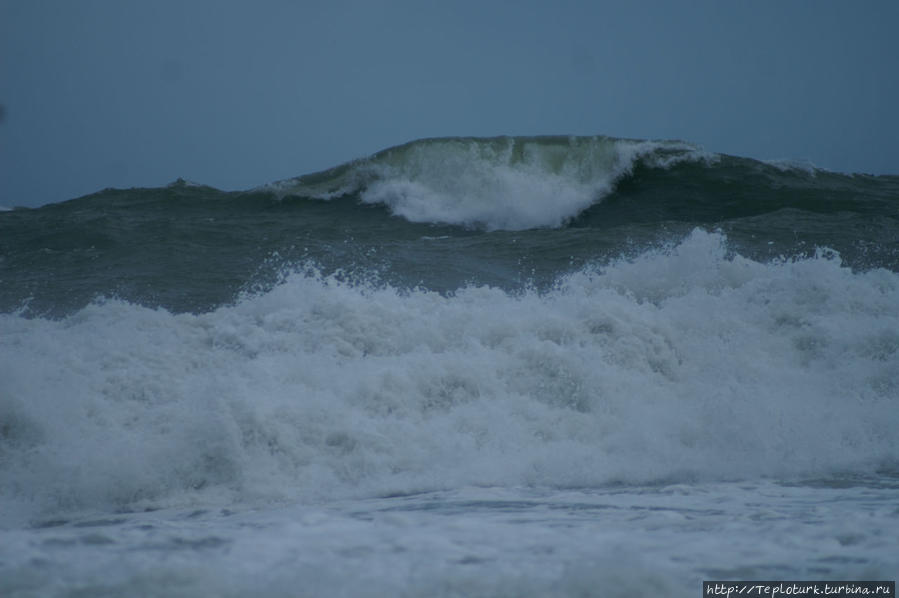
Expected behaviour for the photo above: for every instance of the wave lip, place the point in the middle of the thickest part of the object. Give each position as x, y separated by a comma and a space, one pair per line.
498, 183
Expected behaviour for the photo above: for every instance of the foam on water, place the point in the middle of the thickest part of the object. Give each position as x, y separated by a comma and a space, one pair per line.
681, 364
472, 542
508, 183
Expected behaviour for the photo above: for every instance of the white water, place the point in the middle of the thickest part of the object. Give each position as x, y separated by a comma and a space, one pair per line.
532, 424
682, 365
471, 542
499, 183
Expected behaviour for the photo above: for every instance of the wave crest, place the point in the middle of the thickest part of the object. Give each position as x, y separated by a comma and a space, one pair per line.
500, 183
679, 364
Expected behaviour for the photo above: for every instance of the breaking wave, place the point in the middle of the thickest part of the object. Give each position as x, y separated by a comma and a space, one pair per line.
509, 183
680, 364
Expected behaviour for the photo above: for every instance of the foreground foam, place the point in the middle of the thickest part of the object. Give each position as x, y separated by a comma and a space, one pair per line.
681, 364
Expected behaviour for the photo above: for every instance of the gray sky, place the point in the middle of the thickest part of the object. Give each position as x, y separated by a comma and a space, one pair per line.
121, 93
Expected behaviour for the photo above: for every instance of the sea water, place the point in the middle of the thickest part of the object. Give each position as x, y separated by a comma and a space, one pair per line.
460, 367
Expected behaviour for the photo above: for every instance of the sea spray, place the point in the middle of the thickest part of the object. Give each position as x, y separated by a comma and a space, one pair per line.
507, 183
482, 367
679, 365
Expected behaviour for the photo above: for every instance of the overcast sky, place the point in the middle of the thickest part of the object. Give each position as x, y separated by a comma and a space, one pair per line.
121, 93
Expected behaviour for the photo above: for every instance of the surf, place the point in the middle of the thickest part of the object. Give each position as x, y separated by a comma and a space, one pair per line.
682, 364
508, 183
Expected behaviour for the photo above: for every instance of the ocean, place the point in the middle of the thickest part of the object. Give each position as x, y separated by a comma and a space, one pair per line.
511, 367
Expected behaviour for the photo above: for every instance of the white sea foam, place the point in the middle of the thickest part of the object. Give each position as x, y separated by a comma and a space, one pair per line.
472, 542
681, 364
508, 183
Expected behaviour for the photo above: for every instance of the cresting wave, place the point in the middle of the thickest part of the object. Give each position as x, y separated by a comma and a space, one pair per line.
508, 183
678, 365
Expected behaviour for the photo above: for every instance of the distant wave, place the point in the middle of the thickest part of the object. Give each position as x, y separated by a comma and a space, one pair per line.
583, 198
509, 183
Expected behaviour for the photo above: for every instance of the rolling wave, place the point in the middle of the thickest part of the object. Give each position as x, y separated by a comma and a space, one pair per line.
501, 183
679, 365
517, 183
438, 213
